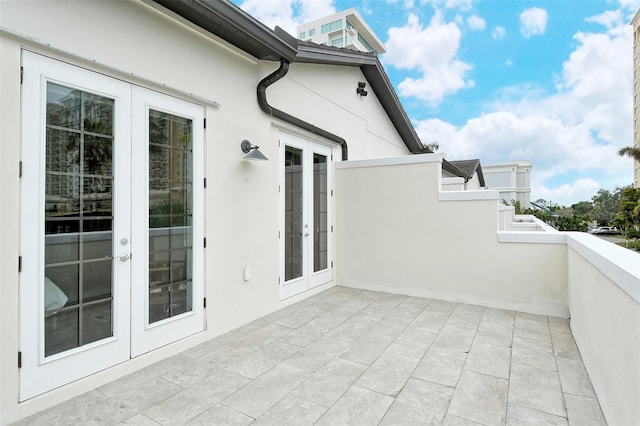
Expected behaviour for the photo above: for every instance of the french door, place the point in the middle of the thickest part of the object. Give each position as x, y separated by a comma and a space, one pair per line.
109, 216
306, 215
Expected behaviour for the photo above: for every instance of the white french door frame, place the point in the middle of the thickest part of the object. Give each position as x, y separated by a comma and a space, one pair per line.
309, 278
132, 334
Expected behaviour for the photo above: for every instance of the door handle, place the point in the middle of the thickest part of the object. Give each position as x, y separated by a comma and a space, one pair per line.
124, 257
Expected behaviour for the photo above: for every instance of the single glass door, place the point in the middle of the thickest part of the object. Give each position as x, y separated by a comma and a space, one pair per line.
305, 236
167, 282
75, 224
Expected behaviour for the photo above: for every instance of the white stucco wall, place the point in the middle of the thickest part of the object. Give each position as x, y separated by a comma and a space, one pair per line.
400, 234
138, 43
334, 104
604, 300
452, 184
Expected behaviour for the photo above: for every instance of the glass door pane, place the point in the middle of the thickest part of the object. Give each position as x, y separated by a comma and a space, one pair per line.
320, 212
170, 215
293, 190
78, 218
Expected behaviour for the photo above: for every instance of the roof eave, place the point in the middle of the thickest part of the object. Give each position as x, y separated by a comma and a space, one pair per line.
309, 52
232, 24
381, 85
454, 170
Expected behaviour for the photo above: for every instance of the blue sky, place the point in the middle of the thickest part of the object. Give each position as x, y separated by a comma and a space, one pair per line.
506, 80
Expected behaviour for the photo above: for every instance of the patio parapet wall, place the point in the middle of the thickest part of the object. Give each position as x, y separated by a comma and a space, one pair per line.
604, 303
399, 233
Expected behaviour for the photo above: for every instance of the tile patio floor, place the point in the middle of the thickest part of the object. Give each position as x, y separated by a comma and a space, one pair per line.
350, 357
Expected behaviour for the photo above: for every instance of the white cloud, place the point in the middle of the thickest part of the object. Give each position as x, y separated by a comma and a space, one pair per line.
432, 53
407, 4
288, 14
533, 21
630, 6
609, 19
498, 33
580, 190
449, 4
476, 23
573, 133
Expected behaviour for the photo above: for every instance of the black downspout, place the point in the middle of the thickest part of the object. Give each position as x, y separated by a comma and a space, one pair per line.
264, 105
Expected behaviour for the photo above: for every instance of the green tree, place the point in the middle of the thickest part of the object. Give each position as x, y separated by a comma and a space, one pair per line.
514, 203
606, 204
630, 151
582, 208
628, 217
572, 223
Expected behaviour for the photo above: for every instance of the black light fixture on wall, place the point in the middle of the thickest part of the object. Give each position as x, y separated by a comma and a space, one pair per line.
252, 151
360, 90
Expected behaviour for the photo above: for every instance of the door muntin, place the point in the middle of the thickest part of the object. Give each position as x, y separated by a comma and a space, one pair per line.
320, 213
170, 215
78, 216
305, 199
294, 213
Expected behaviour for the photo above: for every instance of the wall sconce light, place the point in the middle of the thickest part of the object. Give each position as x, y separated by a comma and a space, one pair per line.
252, 151
360, 90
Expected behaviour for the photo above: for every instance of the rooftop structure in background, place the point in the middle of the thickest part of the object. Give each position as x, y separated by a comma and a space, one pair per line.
636, 83
463, 175
343, 29
511, 180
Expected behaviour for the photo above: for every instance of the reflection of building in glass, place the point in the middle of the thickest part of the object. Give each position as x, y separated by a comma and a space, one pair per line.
170, 149
170, 168
78, 156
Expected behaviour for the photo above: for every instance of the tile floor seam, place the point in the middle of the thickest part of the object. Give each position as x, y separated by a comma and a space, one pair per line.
341, 395
410, 376
167, 397
597, 400
308, 400
506, 416
555, 360
540, 411
140, 414
353, 384
338, 398
433, 383
376, 392
395, 398
455, 388
318, 369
